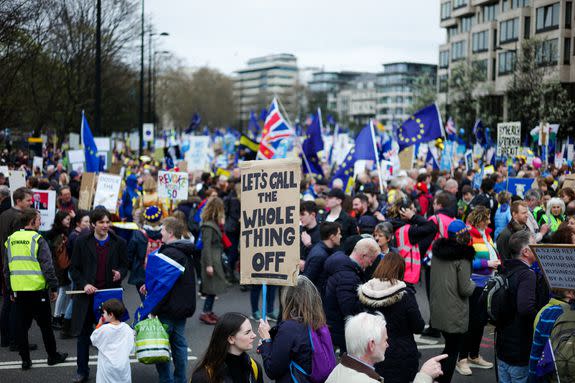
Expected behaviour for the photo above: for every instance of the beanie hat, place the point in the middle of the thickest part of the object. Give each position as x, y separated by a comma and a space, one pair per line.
422, 187
152, 214
456, 227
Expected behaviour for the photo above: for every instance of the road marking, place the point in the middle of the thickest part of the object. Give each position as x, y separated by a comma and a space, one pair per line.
42, 363
420, 339
430, 346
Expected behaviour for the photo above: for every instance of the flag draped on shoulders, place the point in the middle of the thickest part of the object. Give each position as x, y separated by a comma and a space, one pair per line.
275, 135
90, 149
313, 144
162, 272
423, 126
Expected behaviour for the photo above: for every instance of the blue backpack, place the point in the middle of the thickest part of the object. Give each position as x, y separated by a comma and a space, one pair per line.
323, 357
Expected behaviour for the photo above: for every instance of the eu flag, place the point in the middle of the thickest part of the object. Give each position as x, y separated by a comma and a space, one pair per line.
364, 149
102, 296
194, 123
90, 149
479, 132
313, 144
161, 275
424, 126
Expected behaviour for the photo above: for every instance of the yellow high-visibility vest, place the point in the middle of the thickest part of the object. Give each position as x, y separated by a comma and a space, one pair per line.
25, 271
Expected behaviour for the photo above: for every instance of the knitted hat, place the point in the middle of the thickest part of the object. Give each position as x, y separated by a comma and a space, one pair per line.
152, 214
456, 227
421, 186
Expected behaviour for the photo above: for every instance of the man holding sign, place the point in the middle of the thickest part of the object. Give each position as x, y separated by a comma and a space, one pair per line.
99, 261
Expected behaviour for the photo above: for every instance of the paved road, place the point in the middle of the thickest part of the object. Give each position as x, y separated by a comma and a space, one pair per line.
198, 336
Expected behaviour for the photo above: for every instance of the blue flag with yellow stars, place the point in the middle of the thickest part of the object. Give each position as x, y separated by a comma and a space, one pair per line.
424, 126
345, 171
313, 144
90, 149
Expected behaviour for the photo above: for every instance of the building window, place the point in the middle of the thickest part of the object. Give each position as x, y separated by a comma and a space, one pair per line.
451, 32
568, 12
459, 4
509, 30
383, 111
493, 69
466, 23
443, 59
547, 52
399, 100
481, 67
442, 80
399, 111
520, 3
567, 51
505, 5
490, 12
548, 17
480, 42
445, 10
459, 50
527, 27
506, 62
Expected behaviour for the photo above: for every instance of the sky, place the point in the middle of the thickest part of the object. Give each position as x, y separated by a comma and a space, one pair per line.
332, 35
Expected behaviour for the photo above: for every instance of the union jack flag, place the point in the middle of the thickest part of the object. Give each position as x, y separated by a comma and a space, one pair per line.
276, 131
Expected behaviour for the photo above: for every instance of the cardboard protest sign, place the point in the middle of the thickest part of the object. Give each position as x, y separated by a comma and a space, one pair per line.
74, 141
569, 181
87, 191
508, 139
406, 158
107, 191
269, 242
38, 162
558, 264
45, 203
173, 185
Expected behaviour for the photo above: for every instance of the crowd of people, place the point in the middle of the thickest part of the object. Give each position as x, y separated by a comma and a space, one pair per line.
363, 254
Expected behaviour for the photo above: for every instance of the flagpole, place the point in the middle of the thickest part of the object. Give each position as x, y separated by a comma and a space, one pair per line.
298, 143
380, 174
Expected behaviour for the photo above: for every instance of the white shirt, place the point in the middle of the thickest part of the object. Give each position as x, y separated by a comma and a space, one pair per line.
115, 344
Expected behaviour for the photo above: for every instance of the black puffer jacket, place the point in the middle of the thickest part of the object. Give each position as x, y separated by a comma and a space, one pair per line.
513, 342
343, 276
180, 302
398, 305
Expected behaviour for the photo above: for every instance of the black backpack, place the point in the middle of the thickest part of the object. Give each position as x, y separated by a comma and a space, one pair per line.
499, 300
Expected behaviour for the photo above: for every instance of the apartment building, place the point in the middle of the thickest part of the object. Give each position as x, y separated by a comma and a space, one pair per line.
395, 91
488, 34
262, 79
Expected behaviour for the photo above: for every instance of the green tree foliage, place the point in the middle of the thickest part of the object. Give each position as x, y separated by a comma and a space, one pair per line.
535, 94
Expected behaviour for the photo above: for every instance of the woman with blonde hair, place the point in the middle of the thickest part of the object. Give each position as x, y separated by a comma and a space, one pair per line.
150, 196
213, 245
286, 349
554, 215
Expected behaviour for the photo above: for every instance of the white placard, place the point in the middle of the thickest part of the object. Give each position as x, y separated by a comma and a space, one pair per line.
148, 132
45, 203
17, 179
4, 170
75, 156
508, 139
173, 185
107, 191
134, 140
558, 264
103, 144
198, 155
74, 141
37, 162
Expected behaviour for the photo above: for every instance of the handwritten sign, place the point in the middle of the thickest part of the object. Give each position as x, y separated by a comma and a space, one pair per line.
558, 264
45, 202
173, 185
107, 191
508, 139
198, 157
270, 221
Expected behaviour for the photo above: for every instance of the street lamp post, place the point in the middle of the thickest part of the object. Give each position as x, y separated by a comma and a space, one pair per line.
154, 77
151, 60
141, 106
98, 94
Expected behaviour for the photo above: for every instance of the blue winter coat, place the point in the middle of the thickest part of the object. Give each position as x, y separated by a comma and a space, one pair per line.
290, 342
315, 262
340, 299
